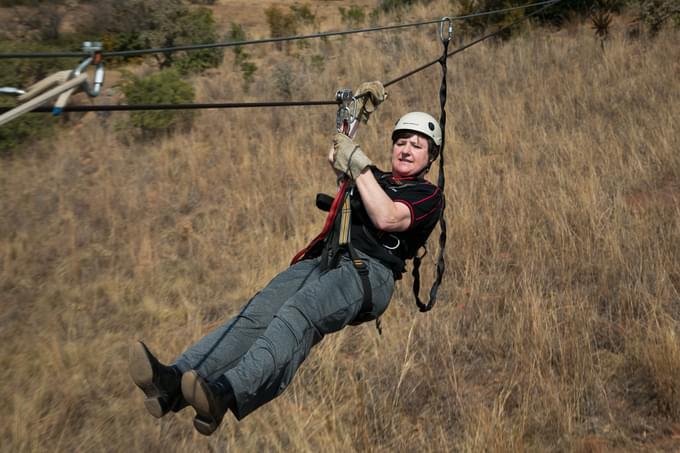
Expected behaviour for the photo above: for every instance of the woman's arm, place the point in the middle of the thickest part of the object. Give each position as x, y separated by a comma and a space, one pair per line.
386, 215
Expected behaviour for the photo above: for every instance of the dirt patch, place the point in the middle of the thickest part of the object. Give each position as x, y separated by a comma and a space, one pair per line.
666, 194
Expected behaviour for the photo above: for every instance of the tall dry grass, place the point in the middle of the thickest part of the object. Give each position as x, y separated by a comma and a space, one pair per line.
557, 324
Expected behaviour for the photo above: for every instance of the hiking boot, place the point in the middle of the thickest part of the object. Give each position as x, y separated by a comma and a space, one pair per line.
160, 383
211, 401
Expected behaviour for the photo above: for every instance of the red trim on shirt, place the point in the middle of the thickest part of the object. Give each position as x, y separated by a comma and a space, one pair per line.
428, 213
427, 198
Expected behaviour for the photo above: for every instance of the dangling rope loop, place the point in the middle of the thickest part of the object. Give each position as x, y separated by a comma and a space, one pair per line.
445, 36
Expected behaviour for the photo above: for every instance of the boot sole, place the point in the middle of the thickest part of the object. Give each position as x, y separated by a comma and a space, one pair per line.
141, 372
195, 393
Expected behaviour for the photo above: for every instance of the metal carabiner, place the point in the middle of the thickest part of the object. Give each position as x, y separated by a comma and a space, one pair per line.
343, 119
95, 49
392, 247
448, 30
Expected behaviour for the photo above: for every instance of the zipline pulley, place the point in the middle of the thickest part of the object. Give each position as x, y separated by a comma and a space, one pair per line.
344, 118
60, 85
95, 51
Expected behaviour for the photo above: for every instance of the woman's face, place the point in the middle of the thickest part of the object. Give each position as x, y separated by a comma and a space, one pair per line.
409, 155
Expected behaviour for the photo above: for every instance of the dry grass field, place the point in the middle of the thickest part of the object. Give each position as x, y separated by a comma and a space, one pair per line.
557, 327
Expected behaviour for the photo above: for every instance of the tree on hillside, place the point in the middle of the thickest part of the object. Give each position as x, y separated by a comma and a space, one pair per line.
163, 87
143, 24
655, 13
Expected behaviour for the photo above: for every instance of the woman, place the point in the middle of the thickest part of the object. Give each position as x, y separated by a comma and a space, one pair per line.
253, 357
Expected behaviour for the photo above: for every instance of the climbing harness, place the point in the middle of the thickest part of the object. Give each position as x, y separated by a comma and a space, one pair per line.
335, 236
346, 122
60, 85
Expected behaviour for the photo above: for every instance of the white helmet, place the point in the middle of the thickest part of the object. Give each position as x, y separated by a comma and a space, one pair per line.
422, 123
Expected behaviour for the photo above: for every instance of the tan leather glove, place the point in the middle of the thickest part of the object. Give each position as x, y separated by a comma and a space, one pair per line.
348, 157
374, 95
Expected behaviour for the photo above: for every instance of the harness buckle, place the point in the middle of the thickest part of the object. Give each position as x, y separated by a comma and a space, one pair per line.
360, 266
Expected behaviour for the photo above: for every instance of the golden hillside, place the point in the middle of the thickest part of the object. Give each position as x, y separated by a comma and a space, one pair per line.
558, 319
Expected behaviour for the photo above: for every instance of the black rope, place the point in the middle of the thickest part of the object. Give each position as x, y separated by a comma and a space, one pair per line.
441, 265
220, 105
190, 47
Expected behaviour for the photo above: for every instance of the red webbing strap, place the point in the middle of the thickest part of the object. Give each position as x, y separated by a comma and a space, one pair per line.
328, 224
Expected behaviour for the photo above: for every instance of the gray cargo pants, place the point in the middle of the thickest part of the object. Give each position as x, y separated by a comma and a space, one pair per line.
260, 349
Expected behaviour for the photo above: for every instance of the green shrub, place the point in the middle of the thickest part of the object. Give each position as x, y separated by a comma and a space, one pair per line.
248, 69
303, 14
353, 16
317, 62
655, 13
280, 24
388, 6
138, 24
43, 20
477, 25
19, 131
237, 33
286, 24
164, 87
601, 19
23, 72
557, 14
198, 27
241, 57
143, 24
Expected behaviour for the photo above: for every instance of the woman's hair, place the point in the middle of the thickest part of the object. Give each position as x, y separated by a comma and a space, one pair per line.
432, 149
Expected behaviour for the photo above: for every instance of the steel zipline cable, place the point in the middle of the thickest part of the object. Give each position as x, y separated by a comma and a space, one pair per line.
132, 53
194, 106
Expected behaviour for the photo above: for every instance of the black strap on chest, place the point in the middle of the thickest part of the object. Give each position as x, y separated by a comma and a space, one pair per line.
340, 241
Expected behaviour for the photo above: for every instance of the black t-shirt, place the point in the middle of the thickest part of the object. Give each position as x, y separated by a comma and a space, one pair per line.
424, 200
